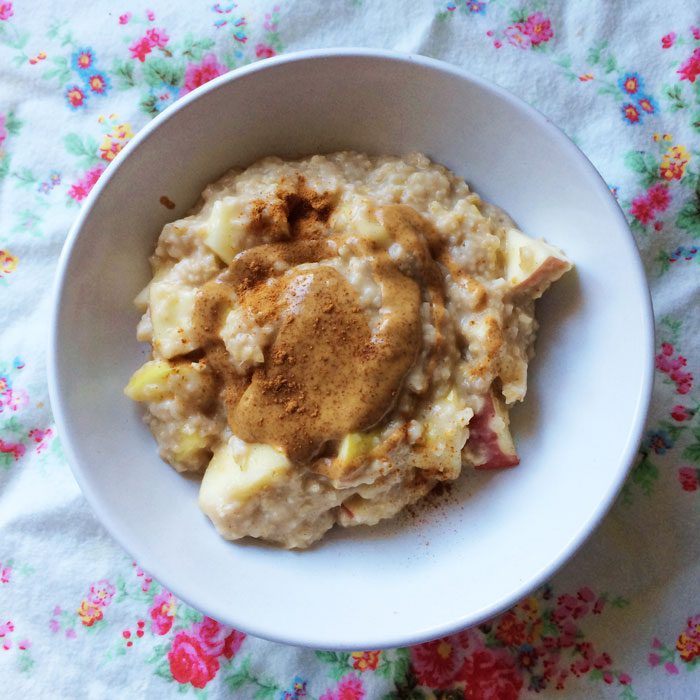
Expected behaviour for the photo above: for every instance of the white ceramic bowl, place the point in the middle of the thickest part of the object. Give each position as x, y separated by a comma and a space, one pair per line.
500, 534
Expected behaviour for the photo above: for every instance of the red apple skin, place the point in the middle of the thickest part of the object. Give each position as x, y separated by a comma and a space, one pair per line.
489, 448
538, 282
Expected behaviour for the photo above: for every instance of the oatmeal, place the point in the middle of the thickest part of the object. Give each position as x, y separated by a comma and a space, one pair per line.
334, 336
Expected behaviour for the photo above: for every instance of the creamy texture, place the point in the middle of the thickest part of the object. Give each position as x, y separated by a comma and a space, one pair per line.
340, 320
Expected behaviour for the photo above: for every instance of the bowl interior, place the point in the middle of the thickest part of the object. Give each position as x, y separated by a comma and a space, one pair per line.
497, 535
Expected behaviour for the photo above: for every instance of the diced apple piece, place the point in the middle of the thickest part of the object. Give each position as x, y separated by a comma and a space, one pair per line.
531, 264
490, 444
141, 299
356, 445
172, 308
189, 444
353, 448
159, 379
225, 230
149, 382
358, 220
238, 471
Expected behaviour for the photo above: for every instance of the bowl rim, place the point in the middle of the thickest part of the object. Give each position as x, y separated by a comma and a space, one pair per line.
384, 639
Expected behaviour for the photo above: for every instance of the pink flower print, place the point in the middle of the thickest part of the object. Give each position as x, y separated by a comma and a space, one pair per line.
3, 130
5, 573
79, 190
218, 639
232, 643
691, 68
124, 19
681, 413
54, 625
349, 688
642, 210
24, 644
17, 399
70, 634
189, 662
538, 28
631, 113
436, 663
659, 197
264, 51
569, 606
16, 449
586, 595
41, 437
517, 36
76, 97
162, 613
688, 478
141, 48
101, 593
6, 628
696, 33
668, 40
150, 15
491, 675
197, 74
6, 11
624, 678
157, 37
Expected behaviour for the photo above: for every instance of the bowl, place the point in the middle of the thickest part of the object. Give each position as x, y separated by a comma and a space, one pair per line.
496, 536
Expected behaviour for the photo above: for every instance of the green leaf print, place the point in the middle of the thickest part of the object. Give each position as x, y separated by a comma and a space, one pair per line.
123, 72
338, 660
159, 70
395, 665
85, 149
61, 70
618, 602
595, 52
12, 123
12, 425
148, 105
406, 689
25, 661
628, 694
610, 65
194, 49
188, 615
239, 677
692, 452
674, 94
662, 262
26, 177
689, 218
645, 474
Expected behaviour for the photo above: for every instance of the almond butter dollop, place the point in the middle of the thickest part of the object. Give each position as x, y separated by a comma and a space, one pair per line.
327, 372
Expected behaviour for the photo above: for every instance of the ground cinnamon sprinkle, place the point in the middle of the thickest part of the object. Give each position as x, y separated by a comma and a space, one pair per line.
325, 375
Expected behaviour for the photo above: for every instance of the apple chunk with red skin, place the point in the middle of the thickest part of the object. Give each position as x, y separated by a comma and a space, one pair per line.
490, 444
531, 264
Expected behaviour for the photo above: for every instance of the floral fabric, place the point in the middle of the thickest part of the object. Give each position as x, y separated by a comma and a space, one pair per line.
79, 619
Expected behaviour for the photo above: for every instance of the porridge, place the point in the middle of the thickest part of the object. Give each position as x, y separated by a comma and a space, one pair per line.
332, 337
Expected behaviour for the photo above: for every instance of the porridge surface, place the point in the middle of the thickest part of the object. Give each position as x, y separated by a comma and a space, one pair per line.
334, 336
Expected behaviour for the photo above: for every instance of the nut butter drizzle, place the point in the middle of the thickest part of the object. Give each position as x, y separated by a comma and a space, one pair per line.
326, 373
